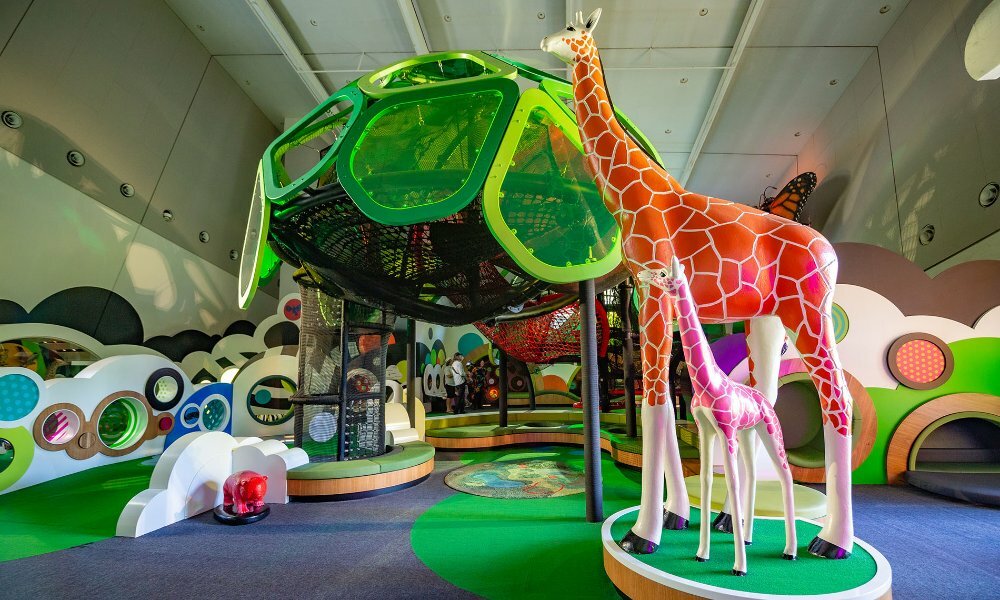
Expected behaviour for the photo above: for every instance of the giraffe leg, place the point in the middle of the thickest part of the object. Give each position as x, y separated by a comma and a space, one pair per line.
732, 488
748, 479
655, 340
775, 452
706, 447
815, 343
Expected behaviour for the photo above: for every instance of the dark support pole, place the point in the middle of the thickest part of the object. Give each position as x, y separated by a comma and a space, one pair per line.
503, 387
589, 393
628, 357
411, 370
532, 401
345, 361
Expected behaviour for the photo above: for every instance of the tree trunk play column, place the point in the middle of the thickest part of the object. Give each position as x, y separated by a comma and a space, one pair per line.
589, 393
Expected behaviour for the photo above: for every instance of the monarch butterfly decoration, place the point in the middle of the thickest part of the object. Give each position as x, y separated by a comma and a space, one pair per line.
789, 201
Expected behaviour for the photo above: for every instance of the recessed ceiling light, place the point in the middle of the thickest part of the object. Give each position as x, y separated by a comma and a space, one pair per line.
313, 22
447, 18
926, 235
168, 216
988, 195
11, 119
703, 12
668, 131
885, 8
75, 158
234, 254
768, 176
833, 82
201, 28
203, 237
126, 190
684, 79
540, 16
798, 133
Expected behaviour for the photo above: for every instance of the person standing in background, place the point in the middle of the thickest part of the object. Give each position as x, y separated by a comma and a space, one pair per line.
457, 368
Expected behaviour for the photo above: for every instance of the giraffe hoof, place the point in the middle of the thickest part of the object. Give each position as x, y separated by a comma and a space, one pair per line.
723, 522
789, 557
739, 573
673, 521
700, 559
634, 544
747, 543
824, 549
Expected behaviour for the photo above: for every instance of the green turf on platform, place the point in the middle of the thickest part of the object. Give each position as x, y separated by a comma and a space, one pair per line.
501, 548
767, 572
69, 511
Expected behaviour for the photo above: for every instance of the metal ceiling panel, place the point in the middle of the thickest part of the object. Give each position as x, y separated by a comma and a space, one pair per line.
336, 70
739, 177
825, 22
778, 92
659, 24
225, 26
324, 27
271, 84
208, 181
118, 78
10, 16
490, 24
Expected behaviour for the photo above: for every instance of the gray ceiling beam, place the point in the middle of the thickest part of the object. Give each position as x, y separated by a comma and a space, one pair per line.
742, 38
276, 29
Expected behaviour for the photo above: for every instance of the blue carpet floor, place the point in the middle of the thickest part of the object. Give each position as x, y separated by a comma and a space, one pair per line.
938, 548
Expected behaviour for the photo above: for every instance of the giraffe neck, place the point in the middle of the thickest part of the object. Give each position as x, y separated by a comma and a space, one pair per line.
705, 374
597, 121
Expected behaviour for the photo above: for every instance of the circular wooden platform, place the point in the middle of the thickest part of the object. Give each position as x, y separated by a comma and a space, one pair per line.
639, 580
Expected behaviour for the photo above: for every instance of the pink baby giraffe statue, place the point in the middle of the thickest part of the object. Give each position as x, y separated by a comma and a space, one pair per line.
732, 411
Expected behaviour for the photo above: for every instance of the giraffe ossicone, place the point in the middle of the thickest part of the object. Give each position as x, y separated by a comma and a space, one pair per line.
742, 265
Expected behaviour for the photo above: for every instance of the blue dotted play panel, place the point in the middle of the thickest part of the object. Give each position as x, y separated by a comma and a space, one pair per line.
18, 397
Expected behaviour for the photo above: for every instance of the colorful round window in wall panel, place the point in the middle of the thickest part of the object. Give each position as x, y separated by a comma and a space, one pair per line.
840, 322
920, 361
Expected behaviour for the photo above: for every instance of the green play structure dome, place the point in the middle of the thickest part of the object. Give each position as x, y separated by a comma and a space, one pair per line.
447, 188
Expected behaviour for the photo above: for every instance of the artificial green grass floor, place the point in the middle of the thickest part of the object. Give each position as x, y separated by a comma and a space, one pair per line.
69, 511
543, 548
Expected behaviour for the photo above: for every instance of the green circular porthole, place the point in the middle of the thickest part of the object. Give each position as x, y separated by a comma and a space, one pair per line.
215, 414
6, 454
122, 423
268, 401
840, 322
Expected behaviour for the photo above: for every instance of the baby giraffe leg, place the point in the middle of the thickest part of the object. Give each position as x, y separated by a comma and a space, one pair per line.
787, 491
732, 488
748, 479
706, 447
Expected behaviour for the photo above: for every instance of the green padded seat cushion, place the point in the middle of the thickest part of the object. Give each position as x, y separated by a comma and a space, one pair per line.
469, 431
404, 456
335, 470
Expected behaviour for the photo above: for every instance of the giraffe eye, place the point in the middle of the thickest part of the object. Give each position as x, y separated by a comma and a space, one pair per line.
570, 28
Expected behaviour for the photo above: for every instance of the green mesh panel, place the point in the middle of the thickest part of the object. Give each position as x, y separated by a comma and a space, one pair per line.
437, 70
546, 210
424, 155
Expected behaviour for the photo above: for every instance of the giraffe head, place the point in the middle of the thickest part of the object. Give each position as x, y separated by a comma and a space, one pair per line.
668, 280
575, 42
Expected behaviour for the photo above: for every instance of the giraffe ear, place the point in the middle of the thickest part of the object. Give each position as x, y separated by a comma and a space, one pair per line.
593, 19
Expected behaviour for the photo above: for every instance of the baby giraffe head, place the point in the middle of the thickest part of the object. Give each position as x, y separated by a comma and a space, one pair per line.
668, 280
574, 43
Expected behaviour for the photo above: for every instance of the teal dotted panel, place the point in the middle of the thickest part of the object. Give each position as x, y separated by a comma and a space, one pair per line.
18, 397
840, 322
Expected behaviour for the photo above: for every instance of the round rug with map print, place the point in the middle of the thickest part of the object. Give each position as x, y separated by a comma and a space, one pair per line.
517, 479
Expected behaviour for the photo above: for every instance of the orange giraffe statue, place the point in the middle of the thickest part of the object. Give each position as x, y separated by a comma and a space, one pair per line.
744, 265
